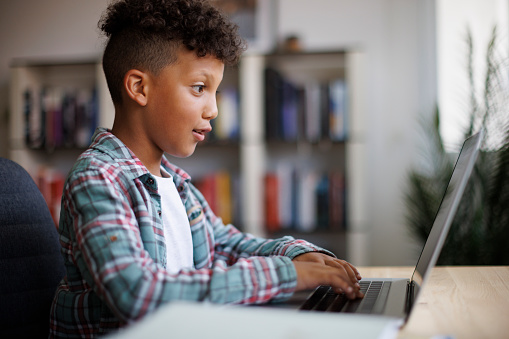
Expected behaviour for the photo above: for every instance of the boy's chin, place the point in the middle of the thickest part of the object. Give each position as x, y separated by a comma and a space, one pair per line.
182, 154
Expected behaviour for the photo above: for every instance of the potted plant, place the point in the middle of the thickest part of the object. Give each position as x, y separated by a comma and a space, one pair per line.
479, 234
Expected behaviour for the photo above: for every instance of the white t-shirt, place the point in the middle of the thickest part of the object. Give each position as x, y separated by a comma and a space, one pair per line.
177, 231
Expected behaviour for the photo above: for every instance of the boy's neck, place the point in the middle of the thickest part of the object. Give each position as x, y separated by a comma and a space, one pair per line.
143, 149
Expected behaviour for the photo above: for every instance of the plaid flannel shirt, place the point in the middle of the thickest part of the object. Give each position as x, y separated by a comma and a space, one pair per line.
115, 254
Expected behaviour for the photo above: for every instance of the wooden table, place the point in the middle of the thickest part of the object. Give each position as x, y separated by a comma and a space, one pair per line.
461, 302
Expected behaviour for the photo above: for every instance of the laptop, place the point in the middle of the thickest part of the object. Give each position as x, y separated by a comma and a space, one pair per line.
394, 297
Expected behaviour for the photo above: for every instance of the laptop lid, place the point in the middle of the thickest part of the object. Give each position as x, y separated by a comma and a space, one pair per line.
447, 210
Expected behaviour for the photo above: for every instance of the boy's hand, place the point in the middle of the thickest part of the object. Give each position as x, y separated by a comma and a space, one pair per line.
314, 269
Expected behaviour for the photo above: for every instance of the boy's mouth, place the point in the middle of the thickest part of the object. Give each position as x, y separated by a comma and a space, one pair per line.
199, 134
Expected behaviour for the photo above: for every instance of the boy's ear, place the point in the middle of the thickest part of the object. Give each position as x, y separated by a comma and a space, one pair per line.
135, 82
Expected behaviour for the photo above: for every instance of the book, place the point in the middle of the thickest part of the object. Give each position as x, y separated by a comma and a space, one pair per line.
284, 174
338, 109
289, 112
271, 202
324, 111
322, 202
207, 186
307, 205
337, 200
226, 125
312, 111
51, 184
273, 97
68, 119
224, 206
84, 117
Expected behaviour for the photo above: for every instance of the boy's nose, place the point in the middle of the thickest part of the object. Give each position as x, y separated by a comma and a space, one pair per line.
211, 110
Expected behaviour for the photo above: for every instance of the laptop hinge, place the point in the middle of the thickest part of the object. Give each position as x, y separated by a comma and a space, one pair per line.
409, 297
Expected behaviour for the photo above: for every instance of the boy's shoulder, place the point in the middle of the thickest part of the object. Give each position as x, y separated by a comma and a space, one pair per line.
108, 155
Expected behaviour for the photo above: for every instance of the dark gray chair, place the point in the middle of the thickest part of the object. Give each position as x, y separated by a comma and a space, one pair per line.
30, 261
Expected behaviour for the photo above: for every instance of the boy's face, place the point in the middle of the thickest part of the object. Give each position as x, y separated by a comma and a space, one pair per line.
182, 102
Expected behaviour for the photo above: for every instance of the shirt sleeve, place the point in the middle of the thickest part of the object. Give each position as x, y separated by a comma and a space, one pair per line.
108, 250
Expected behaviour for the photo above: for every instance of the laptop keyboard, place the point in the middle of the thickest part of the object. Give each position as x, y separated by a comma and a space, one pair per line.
324, 299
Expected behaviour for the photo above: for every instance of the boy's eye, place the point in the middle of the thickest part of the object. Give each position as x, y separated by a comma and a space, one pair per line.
199, 88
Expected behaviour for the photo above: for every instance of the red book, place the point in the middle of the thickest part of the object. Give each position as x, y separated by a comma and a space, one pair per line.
223, 197
271, 202
57, 186
207, 187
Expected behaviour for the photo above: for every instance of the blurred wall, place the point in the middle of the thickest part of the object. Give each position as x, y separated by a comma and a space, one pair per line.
397, 36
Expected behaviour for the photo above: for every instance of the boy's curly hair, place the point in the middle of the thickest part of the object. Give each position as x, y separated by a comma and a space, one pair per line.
146, 34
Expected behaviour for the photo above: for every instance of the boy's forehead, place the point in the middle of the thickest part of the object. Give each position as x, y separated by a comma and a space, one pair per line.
188, 65
191, 58
185, 54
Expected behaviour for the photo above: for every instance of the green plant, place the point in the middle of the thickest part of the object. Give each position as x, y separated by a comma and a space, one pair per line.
479, 234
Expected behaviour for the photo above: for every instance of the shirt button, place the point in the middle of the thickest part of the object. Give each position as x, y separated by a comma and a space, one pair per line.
159, 213
150, 181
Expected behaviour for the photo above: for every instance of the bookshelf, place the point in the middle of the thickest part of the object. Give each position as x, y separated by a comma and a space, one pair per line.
242, 147
303, 131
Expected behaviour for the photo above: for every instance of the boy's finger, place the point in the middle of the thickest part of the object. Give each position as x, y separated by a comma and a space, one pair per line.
347, 276
346, 267
341, 285
354, 269
357, 274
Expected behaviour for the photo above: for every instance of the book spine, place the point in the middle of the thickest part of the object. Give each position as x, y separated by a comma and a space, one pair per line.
224, 198
273, 95
271, 194
226, 125
51, 184
338, 110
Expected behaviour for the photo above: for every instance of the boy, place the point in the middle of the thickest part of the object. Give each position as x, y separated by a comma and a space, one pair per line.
135, 232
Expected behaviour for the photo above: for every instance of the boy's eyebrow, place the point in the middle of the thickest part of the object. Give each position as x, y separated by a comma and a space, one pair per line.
206, 74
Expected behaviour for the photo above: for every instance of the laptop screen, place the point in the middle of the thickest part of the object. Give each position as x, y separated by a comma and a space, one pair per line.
447, 209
